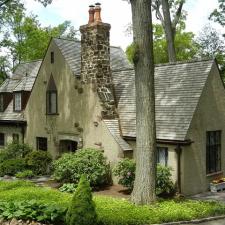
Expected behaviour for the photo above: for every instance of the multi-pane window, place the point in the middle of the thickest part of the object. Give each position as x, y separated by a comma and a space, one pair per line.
2, 139
17, 101
51, 102
213, 151
1, 103
15, 138
42, 143
162, 155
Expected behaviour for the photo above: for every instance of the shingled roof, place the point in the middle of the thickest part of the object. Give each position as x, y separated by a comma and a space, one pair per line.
178, 88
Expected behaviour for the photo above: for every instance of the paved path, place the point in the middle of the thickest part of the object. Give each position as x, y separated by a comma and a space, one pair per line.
215, 222
217, 196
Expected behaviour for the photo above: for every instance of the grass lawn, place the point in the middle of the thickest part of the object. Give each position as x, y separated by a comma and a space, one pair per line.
114, 211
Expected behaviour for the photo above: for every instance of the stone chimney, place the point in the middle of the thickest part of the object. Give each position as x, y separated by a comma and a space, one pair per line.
95, 58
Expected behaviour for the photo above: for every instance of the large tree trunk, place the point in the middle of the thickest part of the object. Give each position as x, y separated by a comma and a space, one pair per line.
169, 31
144, 185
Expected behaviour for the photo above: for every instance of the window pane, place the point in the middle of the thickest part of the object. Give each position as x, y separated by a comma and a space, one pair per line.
162, 155
17, 102
53, 102
1, 103
42, 143
2, 139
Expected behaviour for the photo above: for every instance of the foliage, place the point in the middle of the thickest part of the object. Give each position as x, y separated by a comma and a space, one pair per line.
12, 166
125, 170
69, 188
164, 183
218, 15
38, 162
32, 210
25, 174
113, 211
91, 162
82, 208
185, 45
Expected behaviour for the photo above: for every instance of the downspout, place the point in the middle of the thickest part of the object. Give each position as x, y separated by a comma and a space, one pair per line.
178, 150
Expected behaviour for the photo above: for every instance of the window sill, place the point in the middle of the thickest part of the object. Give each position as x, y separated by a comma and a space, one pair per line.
214, 174
52, 114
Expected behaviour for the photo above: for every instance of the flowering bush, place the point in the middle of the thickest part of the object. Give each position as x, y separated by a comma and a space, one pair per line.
125, 170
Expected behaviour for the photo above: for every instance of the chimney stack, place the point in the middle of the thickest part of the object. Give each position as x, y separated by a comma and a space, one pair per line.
95, 57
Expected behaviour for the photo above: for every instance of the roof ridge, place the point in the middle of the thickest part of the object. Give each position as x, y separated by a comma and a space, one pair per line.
185, 61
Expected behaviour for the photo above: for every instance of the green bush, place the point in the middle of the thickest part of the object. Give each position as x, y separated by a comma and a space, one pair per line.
68, 188
125, 170
91, 162
82, 208
16, 150
32, 210
12, 166
25, 174
39, 162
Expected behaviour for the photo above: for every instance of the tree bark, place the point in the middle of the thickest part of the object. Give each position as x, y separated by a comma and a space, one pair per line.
170, 33
144, 185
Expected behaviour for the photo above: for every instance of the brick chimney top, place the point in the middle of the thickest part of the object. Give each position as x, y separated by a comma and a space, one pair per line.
91, 14
97, 17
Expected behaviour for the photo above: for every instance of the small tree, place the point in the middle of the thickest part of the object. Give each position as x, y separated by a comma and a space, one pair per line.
82, 208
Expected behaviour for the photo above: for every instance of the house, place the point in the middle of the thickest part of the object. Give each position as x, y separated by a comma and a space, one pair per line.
82, 94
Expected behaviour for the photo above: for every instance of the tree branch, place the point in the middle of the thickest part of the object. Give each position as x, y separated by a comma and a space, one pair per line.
3, 3
177, 15
156, 7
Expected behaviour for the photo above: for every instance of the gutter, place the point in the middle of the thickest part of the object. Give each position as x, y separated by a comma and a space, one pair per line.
13, 122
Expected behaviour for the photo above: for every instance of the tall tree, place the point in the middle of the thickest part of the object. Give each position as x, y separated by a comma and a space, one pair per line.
144, 185
218, 15
185, 45
164, 9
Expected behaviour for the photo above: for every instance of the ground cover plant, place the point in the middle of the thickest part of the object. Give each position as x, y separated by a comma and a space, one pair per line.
112, 211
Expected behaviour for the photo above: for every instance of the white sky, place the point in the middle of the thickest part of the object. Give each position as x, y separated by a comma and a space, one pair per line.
115, 12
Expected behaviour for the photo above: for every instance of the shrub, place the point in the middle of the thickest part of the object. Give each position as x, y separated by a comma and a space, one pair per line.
69, 188
32, 210
125, 170
91, 162
12, 166
25, 174
16, 150
82, 208
39, 162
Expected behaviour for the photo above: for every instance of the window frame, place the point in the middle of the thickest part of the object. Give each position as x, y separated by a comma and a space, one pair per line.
166, 155
38, 144
2, 141
213, 151
14, 101
1, 102
48, 102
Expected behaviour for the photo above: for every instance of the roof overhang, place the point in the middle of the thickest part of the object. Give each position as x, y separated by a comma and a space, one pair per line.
164, 141
13, 123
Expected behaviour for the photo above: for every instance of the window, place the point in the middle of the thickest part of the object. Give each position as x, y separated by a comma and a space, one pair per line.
2, 139
51, 102
1, 103
42, 143
213, 151
162, 155
17, 101
52, 57
15, 138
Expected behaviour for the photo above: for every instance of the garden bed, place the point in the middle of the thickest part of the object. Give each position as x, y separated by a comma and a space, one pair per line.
113, 211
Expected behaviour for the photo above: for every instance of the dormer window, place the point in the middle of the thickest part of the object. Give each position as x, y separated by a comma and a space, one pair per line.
51, 98
17, 101
1, 103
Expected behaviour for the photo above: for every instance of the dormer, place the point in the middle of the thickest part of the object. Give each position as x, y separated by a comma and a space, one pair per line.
20, 99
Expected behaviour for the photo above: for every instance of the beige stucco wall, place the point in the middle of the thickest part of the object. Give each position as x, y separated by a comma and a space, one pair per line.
9, 131
209, 116
73, 108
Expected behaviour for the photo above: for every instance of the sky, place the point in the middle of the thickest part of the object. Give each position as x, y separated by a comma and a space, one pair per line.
115, 12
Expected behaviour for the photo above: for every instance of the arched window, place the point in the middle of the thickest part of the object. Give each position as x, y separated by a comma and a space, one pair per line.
51, 97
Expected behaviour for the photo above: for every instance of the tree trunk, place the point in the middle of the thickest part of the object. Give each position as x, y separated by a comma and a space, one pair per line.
144, 185
170, 33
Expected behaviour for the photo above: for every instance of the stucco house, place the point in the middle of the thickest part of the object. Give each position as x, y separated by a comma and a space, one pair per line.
82, 94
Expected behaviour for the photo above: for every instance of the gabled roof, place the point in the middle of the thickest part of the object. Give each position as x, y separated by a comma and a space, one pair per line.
71, 50
178, 88
8, 85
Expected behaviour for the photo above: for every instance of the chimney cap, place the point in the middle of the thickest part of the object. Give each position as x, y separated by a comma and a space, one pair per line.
97, 4
91, 6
